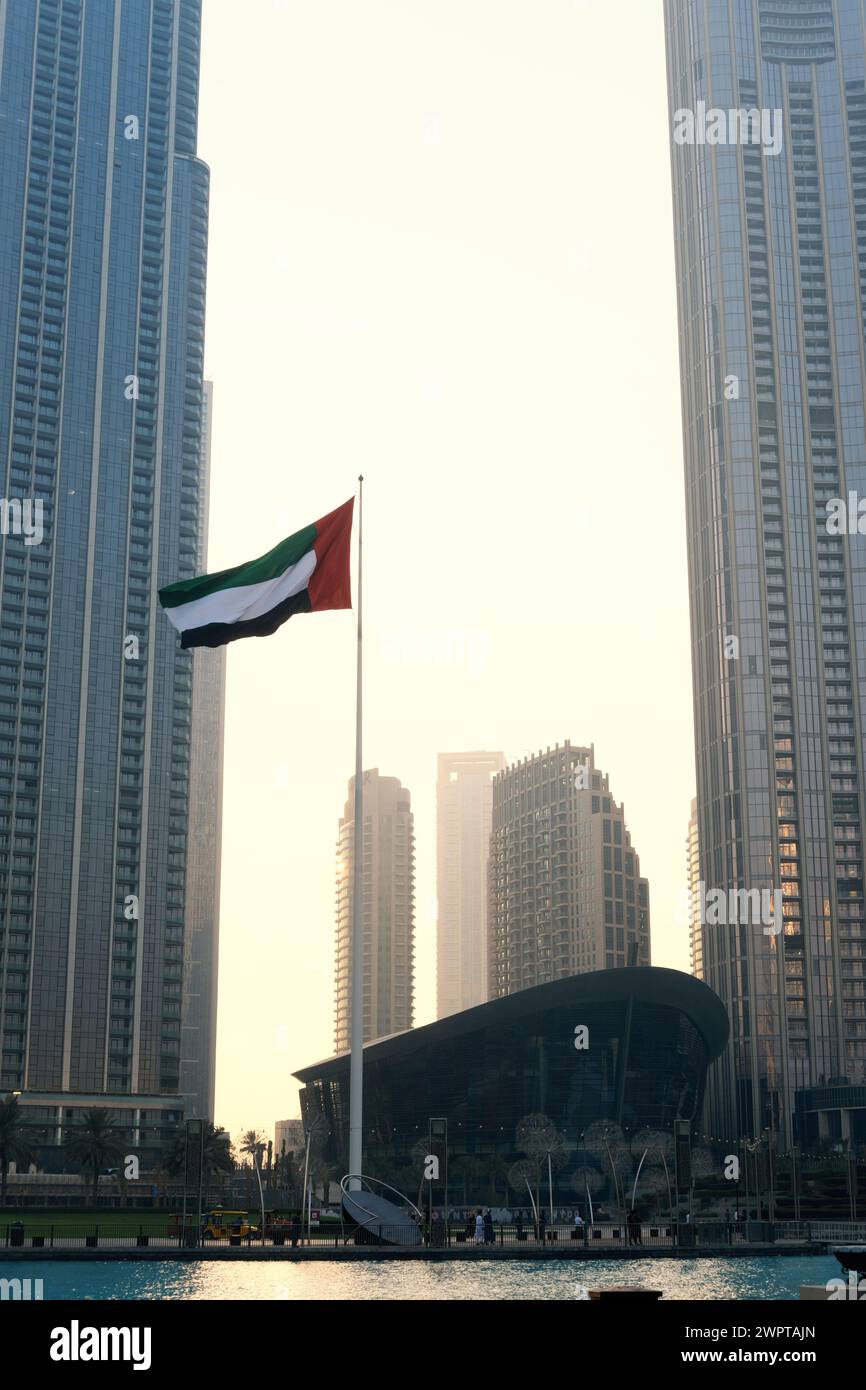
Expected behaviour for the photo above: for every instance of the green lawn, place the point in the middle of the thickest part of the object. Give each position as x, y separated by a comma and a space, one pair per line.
111, 1221
121, 1221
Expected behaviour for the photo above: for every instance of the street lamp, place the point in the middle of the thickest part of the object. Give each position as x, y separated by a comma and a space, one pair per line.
192, 1172
438, 1140
257, 1153
308, 1197
795, 1182
636, 1177
550, 1187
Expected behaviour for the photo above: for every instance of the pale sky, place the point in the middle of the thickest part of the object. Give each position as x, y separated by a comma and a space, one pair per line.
441, 255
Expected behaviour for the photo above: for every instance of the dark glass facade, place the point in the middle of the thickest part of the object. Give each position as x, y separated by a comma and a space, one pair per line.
103, 230
651, 1036
771, 282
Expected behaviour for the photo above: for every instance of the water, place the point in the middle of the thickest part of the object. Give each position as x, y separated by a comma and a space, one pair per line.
777, 1277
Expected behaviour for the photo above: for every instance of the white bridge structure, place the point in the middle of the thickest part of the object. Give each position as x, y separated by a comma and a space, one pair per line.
387, 1221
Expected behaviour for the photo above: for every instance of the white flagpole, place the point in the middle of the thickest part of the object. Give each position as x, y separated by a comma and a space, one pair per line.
356, 1069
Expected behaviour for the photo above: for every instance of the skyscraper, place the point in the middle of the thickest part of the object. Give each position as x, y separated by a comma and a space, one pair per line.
201, 945
103, 230
388, 911
565, 891
464, 807
768, 110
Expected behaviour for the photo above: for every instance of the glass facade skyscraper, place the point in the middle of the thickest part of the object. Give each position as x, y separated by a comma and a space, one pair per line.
103, 232
770, 226
565, 893
388, 911
464, 811
201, 944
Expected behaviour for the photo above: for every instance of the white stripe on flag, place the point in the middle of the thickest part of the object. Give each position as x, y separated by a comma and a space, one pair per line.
244, 602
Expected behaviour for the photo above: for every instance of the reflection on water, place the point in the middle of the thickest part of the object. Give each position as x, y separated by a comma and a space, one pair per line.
776, 1277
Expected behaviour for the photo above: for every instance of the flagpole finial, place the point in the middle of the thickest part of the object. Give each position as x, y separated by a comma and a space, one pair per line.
360, 477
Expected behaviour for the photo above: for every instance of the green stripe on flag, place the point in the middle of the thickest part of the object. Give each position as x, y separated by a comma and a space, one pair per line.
269, 566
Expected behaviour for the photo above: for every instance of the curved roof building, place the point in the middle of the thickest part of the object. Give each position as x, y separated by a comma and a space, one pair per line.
630, 1045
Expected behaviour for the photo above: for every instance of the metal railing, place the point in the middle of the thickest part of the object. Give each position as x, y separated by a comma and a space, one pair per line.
833, 1232
35, 1235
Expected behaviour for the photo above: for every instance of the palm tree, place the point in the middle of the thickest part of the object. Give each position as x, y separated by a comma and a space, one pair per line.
93, 1144
327, 1173
318, 1165
253, 1143
13, 1145
216, 1160
288, 1169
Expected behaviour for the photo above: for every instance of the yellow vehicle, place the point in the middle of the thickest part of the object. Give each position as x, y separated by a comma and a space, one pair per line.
219, 1224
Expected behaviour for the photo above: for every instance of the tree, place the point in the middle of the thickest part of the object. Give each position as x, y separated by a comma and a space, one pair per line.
93, 1144
290, 1175
252, 1144
654, 1149
587, 1180
650, 1187
702, 1163
471, 1171
322, 1169
520, 1177
702, 1166
605, 1142
538, 1139
323, 1173
13, 1144
216, 1162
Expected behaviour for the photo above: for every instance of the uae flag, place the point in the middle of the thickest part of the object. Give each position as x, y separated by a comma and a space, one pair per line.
307, 573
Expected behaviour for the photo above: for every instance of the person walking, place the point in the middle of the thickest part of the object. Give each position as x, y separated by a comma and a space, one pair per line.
489, 1233
479, 1228
634, 1232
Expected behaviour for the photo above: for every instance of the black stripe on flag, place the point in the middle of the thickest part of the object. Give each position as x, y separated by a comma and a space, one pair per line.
220, 634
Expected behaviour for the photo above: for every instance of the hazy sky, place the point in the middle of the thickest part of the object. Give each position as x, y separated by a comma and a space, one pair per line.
440, 254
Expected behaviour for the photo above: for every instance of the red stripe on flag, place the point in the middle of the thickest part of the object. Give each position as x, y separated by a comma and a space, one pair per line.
330, 584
